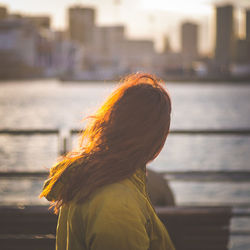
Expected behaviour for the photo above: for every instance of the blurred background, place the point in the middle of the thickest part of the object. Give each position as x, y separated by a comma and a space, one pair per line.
98, 40
60, 59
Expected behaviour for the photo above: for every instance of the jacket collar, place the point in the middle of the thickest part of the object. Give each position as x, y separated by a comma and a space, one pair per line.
139, 179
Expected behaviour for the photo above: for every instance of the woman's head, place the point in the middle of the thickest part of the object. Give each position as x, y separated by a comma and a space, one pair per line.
127, 132
133, 123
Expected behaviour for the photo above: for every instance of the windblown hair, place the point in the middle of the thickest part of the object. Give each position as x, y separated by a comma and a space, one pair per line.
127, 132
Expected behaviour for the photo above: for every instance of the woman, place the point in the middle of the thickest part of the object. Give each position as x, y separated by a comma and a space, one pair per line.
99, 189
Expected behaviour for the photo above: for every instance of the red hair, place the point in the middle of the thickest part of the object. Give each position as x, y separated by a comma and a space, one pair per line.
128, 131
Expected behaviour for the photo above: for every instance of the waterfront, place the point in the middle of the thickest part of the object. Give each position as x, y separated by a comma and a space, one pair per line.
51, 104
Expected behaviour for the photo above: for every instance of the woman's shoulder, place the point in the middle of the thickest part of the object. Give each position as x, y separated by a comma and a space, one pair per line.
115, 193
112, 205
112, 198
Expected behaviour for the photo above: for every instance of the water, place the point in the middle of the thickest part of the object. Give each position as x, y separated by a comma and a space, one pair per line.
51, 104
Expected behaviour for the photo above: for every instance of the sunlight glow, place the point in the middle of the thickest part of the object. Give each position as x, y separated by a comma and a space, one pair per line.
200, 7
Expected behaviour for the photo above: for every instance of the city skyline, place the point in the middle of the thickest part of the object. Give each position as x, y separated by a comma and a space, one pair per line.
86, 49
154, 21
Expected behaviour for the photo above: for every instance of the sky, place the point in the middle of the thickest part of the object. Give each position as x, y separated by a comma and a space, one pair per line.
143, 19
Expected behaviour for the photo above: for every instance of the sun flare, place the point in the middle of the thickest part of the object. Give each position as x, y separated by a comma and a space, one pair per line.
179, 6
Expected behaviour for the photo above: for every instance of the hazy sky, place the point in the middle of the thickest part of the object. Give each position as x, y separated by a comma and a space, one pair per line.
143, 18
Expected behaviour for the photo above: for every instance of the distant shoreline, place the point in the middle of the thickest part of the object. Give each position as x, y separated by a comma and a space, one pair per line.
178, 80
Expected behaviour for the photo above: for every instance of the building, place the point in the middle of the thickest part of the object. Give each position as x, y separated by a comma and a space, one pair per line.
108, 39
19, 38
107, 43
138, 55
241, 68
67, 56
3, 12
18, 49
39, 21
168, 64
189, 43
225, 37
241, 51
248, 25
248, 34
81, 24
26, 48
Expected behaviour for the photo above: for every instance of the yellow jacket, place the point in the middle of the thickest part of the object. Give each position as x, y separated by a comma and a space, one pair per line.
118, 216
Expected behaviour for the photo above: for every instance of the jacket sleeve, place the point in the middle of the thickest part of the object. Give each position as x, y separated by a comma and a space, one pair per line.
120, 226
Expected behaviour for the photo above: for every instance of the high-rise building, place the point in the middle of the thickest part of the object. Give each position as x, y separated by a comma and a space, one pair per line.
225, 37
108, 40
81, 24
241, 51
248, 24
248, 36
189, 43
3, 12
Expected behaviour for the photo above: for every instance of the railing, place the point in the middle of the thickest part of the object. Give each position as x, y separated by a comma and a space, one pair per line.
65, 139
239, 131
